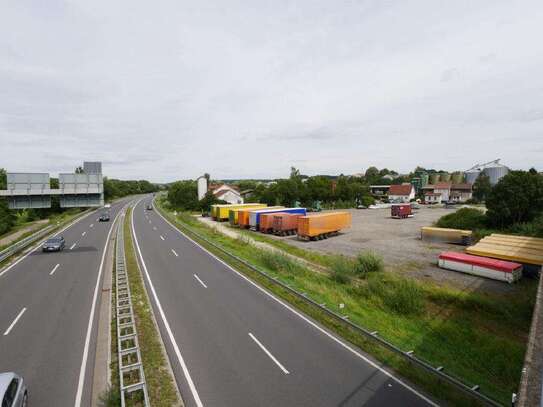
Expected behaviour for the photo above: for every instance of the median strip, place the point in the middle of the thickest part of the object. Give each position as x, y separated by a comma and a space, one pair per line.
161, 386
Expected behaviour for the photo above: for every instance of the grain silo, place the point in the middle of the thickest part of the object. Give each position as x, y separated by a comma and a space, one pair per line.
434, 178
493, 169
457, 177
445, 177
202, 187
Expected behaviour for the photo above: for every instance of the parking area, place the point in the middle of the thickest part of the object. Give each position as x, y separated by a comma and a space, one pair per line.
398, 242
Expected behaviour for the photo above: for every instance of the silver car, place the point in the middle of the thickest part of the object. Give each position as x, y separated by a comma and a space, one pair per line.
13, 392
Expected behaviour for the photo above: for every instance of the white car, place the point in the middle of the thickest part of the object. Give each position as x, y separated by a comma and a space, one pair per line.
107, 206
13, 392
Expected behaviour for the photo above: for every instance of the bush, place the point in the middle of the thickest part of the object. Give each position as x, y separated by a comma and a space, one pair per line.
464, 218
277, 261
368, 262
534, 228
367, 200
400, 296
342, 268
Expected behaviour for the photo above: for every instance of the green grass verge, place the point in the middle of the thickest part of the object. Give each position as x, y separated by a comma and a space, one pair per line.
479, 337
160, 384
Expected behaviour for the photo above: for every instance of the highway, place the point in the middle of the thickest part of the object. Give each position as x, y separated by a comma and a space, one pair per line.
231, 343
46, 331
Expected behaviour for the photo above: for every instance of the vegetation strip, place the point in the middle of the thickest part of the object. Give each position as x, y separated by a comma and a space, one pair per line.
294, 277
160, 382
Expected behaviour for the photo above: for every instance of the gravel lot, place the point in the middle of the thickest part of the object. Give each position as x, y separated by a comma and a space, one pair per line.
398, 242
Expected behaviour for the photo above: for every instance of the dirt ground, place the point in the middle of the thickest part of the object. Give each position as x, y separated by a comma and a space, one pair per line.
398, 242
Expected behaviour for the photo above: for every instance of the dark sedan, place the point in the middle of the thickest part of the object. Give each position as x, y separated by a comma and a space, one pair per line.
55, 244
104, 217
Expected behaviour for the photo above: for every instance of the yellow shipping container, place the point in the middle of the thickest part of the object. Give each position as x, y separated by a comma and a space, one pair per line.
224, 210
220, 211
445, 235
320, 225
234, 213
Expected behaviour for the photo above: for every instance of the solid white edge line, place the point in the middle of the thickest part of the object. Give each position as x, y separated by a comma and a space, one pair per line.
285, 371
41, 242
295, 312
161, 237
54, 269
15, 321
163, 317
173, 251
72, 246
201, 282
83, 369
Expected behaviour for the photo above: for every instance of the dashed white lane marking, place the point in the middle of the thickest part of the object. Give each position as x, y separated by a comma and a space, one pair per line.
83, 234
200, 281
149, 221
285, 371
173, 251
15, 321
91, 225
72, 246
54, 269
162, 237
154, 227
184, 367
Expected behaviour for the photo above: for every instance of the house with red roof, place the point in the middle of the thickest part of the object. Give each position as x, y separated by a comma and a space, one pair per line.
227, 193
401, 193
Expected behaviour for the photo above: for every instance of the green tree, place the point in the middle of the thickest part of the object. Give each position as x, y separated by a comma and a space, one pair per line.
516, 198
184, 195
482, 187
7, 216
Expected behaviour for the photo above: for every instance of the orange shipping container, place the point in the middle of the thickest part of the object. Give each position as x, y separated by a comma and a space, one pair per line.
243, 215
323, 224
285, 223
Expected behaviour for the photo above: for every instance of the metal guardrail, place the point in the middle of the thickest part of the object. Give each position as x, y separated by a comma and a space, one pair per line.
131, 375
23, 243
372, 335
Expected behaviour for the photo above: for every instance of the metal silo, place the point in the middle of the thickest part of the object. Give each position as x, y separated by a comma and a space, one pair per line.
434, 178
457, 177
495, 171
445, 177
472, 174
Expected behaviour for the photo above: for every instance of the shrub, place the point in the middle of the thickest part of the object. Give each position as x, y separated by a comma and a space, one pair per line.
368, 262
534, 228
464, 218
277, 261
400, 296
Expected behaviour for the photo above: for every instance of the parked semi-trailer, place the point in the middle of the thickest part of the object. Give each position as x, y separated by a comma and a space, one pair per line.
254, 216
401, 211
446, 235
285, 224
243, 215
323, 225
481, 266
266, 222
221, 211
234, 213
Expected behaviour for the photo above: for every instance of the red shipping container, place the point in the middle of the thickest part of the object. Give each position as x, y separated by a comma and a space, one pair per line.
400, 211
285, 223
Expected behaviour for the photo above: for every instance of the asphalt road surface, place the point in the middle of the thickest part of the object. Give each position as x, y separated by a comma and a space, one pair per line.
46, 301
231, 343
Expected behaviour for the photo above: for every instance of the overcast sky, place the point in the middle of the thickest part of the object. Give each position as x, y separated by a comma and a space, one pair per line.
165, 90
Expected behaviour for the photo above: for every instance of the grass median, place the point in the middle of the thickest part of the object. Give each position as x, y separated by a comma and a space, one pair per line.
160, 383
477, 337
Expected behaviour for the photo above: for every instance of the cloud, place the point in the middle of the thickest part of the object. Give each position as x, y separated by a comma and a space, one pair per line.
172, 90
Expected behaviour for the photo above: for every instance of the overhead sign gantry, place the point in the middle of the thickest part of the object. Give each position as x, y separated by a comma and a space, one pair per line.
33, 190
